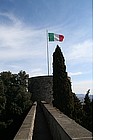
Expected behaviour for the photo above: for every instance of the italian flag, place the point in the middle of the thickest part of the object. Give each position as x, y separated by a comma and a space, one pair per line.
55, 37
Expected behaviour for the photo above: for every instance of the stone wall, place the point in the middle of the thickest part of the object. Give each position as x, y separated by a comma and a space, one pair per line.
26, 130
62, 127
41, 88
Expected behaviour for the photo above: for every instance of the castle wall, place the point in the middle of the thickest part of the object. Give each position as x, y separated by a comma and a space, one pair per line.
41, 88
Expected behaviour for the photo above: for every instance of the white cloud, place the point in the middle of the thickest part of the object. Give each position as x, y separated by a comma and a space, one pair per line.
12, 18
37, 72
81, 51
17, 37
79, 86
74, 73
18, 41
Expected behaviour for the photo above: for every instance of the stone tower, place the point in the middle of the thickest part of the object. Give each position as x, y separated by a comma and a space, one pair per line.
41, 88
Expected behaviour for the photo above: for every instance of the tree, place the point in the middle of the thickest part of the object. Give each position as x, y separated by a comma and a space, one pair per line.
87, 102
78, 112
14, 97
88, 109
2, 106
64, 99
62, 93
2, 97
14, 102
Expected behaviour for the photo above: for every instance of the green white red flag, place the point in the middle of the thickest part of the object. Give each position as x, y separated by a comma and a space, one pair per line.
55, 37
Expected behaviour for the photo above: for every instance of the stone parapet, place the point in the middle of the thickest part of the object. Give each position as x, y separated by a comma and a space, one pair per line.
62, 127
26, 130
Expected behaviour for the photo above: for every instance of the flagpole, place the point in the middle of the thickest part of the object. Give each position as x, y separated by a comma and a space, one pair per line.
47, 51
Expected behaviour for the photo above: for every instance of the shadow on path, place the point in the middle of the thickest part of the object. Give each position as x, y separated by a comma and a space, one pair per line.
41, 129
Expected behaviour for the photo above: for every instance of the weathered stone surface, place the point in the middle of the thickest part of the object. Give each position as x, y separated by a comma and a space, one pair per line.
59, 125
41, 88
62, 127
26, 130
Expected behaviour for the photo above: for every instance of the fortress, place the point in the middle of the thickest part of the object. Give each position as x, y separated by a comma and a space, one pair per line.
44, 121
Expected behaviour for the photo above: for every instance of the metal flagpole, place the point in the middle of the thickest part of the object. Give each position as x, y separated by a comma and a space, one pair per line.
47, 50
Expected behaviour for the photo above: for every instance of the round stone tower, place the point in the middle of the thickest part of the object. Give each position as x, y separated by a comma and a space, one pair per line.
41, 88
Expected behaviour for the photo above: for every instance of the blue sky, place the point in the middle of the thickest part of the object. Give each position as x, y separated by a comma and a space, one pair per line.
23, 27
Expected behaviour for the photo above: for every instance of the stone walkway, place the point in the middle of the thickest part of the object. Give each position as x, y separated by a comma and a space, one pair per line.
41, 130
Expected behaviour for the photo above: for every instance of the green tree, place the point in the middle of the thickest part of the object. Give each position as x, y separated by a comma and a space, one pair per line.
2, 97
78, 112
64, 99
88, 109
14, 102
62, 93
87, 102
16, 98
2, 106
